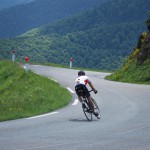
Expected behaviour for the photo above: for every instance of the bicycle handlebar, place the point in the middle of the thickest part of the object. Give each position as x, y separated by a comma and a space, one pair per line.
92, 90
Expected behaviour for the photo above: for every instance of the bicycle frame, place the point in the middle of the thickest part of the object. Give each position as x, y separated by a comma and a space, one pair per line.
87, 111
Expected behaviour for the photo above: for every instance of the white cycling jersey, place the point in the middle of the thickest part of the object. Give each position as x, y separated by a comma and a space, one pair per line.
82, 80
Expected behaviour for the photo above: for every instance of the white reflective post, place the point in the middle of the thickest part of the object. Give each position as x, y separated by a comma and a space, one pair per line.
71, 60
13, 55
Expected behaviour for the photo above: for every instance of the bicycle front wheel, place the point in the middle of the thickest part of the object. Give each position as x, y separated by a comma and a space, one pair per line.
96, 108
87, 112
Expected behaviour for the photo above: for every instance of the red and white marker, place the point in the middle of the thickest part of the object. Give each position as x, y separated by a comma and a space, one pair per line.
71, 60
26, 64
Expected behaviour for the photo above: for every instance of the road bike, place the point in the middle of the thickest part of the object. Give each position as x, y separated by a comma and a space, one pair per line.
86, 109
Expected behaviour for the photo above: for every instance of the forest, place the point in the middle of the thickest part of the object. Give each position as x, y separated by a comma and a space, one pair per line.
100, 38
136, 68
21, 18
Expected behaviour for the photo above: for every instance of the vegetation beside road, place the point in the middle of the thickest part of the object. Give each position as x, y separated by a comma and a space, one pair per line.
137, 67
27, 94
132, 73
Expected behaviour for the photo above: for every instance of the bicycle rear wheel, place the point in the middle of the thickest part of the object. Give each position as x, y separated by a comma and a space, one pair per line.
96, 108
87, 112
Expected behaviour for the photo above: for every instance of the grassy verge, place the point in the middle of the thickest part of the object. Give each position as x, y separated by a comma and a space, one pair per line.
133, 73
27, 94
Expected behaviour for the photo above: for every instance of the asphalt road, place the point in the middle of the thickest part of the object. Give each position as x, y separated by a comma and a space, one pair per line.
125, 122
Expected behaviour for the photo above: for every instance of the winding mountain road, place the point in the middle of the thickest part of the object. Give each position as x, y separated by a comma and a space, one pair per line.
125, 122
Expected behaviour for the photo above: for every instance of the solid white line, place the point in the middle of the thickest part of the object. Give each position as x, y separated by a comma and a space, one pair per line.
70, 90
75, 102
54, 80
42, 115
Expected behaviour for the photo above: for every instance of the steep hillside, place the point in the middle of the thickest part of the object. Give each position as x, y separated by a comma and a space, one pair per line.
137, 67
19, 19
95, 39
110, 13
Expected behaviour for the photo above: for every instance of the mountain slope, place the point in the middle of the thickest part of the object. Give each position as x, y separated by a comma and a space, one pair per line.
114, 12
95, 39
19, 19
137, 67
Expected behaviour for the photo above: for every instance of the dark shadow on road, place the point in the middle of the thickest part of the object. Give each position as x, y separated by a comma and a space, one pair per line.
80, 120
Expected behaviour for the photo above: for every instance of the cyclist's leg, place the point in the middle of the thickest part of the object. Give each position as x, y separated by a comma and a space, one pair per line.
79, 98
90, 103
78, 89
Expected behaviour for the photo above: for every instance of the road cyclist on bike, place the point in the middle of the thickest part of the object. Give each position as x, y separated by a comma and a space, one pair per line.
81, 89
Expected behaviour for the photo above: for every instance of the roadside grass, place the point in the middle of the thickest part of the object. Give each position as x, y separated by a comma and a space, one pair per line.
25, 94
133, 73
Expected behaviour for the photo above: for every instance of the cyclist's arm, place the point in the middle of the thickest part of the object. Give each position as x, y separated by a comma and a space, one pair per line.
92, 87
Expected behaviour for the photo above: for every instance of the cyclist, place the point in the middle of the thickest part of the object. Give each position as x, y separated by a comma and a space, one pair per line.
81, 89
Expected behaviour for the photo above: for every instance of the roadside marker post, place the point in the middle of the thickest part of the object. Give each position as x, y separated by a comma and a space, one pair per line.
71, 60
13, 55
26, 64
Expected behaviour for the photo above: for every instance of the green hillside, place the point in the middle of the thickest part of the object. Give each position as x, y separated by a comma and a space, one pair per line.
99, 38
137, 67
25, 94
19, 19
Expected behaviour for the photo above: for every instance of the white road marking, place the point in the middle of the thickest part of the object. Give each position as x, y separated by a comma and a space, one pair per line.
70, 90
42, 115
54, 80
75, 102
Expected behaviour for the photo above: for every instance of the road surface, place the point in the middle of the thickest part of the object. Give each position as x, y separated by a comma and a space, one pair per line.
125, 122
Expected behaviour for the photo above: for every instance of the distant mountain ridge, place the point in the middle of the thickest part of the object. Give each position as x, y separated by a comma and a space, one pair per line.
111, 13
9, 3
18, 19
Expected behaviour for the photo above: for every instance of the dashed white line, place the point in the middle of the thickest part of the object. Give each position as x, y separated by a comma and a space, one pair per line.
75, 102
69, 89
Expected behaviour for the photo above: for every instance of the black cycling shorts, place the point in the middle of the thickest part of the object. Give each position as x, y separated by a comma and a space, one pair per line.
82, 90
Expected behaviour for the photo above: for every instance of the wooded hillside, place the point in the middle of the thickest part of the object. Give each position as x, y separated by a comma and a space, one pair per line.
136, 69
99, 38
19, 19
